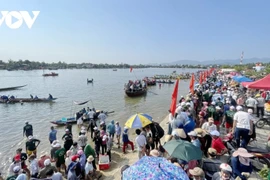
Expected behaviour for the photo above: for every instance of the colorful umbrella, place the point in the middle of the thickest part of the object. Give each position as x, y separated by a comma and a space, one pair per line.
138, 120
183, 150
157, 168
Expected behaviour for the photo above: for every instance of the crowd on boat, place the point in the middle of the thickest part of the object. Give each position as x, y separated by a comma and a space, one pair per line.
133, 86
195, 125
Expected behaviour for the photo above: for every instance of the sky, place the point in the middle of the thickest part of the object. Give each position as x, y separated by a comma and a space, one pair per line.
137, 31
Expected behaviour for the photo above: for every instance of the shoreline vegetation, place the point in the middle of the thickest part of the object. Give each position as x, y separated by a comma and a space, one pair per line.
27, 65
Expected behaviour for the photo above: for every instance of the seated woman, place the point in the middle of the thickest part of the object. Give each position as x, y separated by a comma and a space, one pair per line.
240, 162
224, 174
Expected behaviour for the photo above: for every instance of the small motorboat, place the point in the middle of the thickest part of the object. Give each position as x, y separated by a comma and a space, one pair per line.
90, 80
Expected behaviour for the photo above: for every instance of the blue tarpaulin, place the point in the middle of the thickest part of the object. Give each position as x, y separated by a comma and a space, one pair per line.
240, 79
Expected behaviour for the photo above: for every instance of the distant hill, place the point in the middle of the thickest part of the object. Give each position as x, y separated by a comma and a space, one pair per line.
218, 61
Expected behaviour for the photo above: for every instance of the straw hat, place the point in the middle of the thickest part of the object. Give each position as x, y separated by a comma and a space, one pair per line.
200, 132
43, 154
176, 164
168, 137
225, 167
180, 133
154, 153
212, 151
90, 158
193, 133
242, 152
196, 171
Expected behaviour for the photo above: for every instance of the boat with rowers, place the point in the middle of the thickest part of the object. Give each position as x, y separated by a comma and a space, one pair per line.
149, 81
135, 89
50, 74
165, 82
12, 99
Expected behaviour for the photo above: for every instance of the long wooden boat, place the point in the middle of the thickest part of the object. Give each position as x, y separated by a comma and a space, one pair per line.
50, 74
72, 120
136, 93
165, 82
22, 100
114, 69
11, 88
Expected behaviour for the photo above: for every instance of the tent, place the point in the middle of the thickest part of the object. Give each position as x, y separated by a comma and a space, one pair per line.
263, 83
240, 79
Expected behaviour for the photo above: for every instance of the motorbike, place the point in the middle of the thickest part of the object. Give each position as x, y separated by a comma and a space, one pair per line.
265, 120
260, 156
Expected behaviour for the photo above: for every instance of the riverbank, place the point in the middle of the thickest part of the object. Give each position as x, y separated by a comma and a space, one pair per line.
119, 159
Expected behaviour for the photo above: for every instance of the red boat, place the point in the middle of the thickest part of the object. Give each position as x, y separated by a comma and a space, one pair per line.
51, 74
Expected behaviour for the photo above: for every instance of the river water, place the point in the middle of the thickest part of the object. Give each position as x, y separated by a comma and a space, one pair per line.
106, 93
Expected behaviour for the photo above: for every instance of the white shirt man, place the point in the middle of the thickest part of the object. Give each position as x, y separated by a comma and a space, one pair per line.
242, 127
102, 117
140, 142
243, 119
251, 102
91, 114
209, 126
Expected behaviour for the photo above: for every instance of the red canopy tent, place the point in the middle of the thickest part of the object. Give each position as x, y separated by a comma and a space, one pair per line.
263, 83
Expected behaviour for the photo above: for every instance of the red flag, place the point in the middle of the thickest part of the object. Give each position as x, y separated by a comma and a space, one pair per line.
204, 76
201, 78
174, 97
191, 84
130, 70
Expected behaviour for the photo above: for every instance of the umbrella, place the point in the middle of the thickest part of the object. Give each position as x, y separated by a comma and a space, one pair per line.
138, 120
157, 168
183, 150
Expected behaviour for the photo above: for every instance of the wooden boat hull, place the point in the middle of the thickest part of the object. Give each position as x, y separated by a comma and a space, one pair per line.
72, 120
11, 88
151, 83
165, 82
135, 93
55, 74
19, 100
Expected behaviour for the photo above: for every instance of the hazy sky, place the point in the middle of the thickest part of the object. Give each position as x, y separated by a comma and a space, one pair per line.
137, 31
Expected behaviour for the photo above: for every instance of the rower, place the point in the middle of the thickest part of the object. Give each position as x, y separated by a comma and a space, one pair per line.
12, 97
50, 96
31, 96
36, 97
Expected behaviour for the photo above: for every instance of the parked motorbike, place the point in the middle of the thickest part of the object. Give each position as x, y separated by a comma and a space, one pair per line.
265, 120
260, 156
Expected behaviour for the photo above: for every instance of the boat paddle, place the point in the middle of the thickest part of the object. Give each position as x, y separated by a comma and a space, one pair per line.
110, 112
152, 92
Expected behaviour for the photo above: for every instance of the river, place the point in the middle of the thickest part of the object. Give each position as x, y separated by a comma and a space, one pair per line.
106, 93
